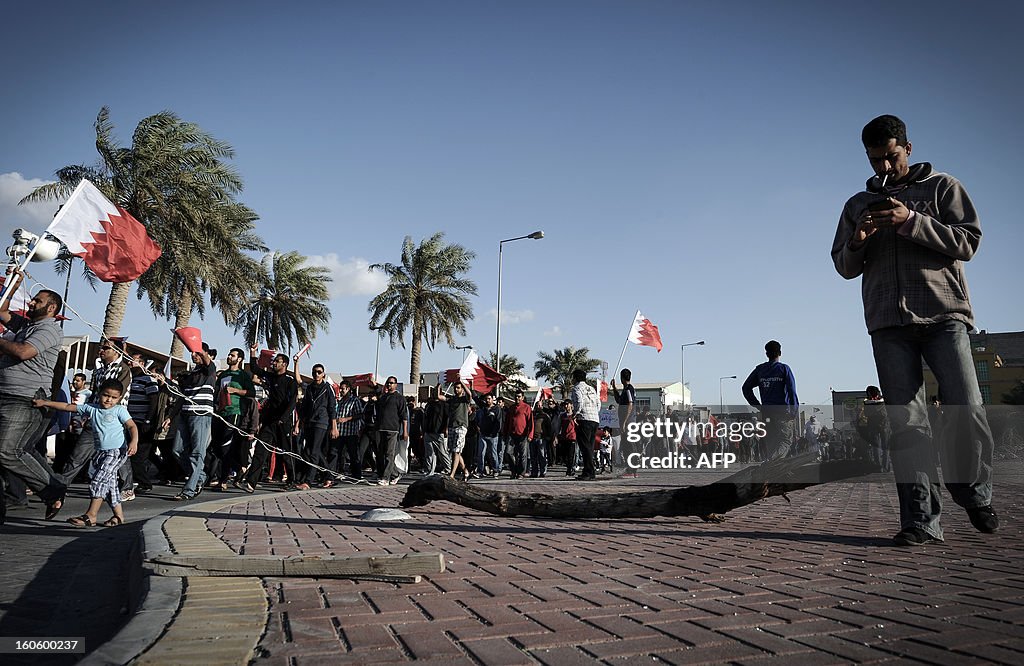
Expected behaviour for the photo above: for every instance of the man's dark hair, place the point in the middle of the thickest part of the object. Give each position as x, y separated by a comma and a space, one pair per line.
54, 298
238, 351
773, 349
319, 365
878, 132
79, 374
345, 382
873, 392
579, 375
625, 374
111, 384
282, 357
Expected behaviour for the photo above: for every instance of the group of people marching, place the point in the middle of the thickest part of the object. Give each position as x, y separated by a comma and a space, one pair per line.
128, 428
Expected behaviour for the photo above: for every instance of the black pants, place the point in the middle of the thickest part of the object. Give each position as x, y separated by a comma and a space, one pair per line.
315, 441
279, 436
350, 445
585, 432
143, 470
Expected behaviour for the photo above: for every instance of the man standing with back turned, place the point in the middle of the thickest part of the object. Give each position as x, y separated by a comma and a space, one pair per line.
779, 404
908, 235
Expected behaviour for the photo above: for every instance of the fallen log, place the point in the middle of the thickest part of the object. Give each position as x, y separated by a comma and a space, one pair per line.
708, 502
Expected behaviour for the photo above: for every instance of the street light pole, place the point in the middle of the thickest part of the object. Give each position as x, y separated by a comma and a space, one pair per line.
721, 398
536, 235
376, 361
682, 367
464, 348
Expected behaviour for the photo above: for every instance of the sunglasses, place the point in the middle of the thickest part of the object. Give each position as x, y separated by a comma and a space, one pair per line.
318, 372
390, 383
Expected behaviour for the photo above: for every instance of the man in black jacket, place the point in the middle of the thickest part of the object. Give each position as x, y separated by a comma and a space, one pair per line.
316, 421
276, 417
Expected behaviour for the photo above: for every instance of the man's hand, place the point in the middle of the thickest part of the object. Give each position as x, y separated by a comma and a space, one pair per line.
895, 216
254, 350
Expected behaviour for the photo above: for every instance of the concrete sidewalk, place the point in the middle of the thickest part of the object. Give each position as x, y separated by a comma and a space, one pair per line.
814, 579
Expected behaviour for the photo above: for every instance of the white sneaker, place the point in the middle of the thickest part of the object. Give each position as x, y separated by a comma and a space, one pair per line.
382, 482
128, 496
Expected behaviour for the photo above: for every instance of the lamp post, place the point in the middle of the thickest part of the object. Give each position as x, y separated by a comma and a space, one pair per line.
464, 349
536, 235
721, 398
682, 367
376, 360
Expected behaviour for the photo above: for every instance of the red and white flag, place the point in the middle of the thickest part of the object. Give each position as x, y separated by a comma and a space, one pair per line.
478, 375
644, 332
113, 244
543, 394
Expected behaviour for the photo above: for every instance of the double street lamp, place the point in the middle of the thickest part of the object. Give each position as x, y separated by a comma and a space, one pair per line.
682, 367
536, 235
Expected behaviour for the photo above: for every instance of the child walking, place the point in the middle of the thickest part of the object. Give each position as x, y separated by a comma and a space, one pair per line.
109, 420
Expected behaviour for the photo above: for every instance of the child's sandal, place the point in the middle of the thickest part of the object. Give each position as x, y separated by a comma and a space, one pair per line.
113, 521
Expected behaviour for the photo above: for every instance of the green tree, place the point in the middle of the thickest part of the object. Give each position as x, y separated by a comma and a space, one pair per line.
171, 178
291, 304
558, 367
426, 296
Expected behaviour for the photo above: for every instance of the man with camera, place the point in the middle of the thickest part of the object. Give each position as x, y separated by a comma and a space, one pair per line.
908, 235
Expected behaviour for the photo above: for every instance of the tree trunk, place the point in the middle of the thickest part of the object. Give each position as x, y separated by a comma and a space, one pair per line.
417, 350
116, 306
184, 315
708, 502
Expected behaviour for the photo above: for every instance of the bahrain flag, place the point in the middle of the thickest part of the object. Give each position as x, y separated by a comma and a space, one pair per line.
644, 332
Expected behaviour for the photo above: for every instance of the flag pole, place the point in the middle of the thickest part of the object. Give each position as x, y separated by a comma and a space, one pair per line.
8, 292
623, 352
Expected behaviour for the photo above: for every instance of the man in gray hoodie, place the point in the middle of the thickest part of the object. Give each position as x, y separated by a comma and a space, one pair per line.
908, 235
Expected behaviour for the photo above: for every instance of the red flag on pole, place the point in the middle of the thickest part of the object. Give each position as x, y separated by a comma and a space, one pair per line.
191, 337
644, 332
476, 374
113, 244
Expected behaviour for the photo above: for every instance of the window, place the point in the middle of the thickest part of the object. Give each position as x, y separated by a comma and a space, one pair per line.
642, 404
982, 367
986, 395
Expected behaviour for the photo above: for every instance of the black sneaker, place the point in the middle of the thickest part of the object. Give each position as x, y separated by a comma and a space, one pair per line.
914, 536
984, 519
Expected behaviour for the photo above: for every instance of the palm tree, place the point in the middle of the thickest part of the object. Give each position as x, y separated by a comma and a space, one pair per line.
171, 178
177, 283
557, 368
426, 294
512, 368
291, 305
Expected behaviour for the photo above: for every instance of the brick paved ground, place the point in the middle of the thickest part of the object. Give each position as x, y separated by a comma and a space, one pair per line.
814, 580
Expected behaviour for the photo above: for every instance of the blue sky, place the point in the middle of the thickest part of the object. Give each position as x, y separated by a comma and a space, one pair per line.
686, 159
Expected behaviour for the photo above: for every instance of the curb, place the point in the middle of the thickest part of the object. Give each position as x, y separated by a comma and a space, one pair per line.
209, 621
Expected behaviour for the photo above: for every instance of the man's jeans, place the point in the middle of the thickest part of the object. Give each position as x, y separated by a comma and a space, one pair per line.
965, 441
21, 423
435, 454
190, 449
538, 457
487, 449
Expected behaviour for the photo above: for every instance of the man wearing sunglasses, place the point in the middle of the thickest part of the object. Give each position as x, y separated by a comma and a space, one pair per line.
316, 421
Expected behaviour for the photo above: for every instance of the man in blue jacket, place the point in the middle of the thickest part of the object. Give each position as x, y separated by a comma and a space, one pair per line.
779, 404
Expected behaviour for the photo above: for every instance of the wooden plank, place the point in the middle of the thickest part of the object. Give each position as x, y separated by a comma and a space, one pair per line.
407, 565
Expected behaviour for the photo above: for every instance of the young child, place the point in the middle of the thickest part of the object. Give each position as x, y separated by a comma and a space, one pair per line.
605, 455
109, 420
